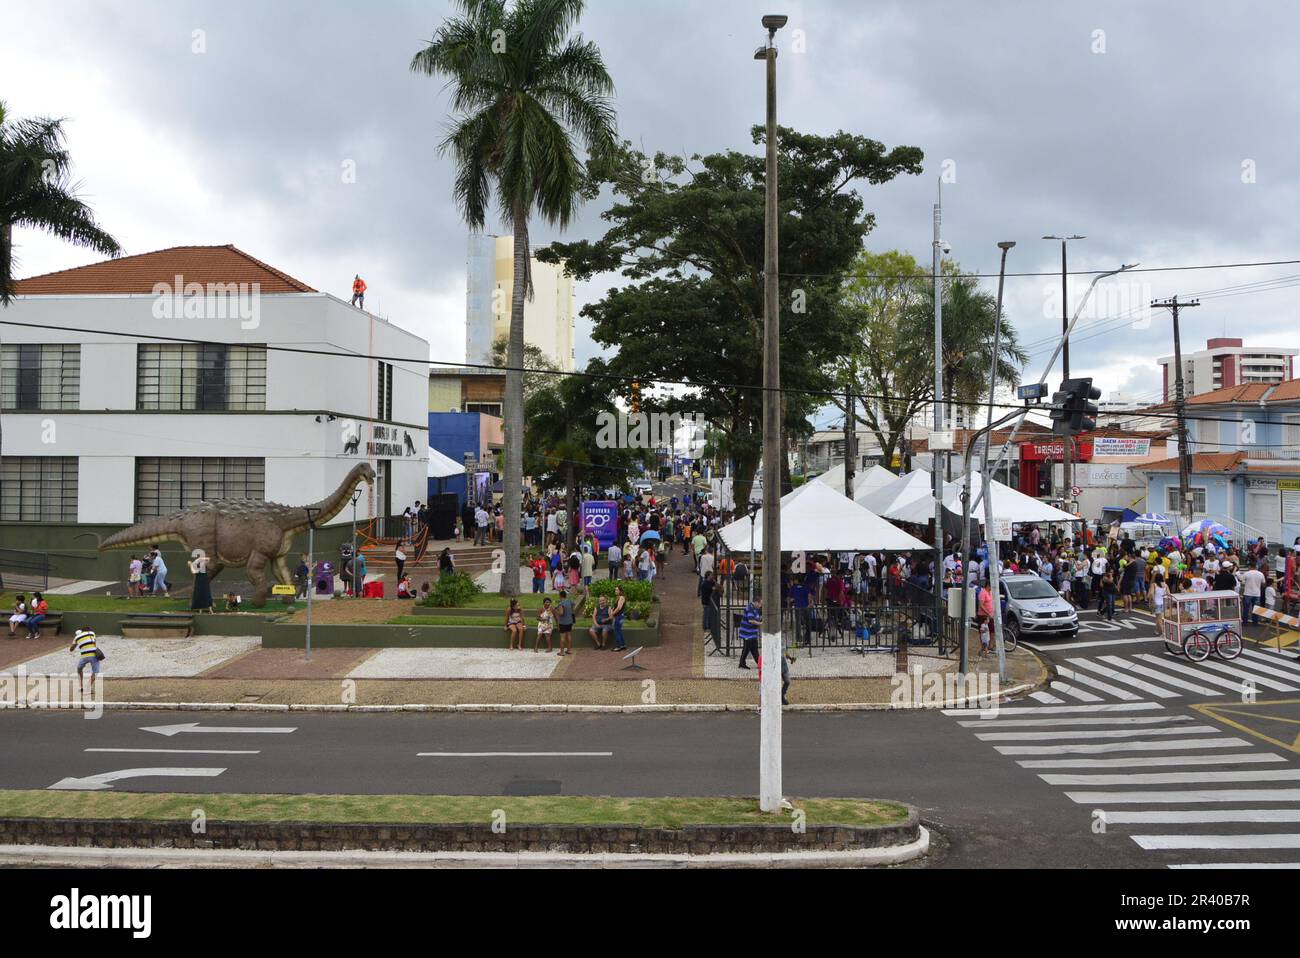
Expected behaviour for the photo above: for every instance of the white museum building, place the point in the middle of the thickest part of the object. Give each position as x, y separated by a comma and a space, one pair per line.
134, 387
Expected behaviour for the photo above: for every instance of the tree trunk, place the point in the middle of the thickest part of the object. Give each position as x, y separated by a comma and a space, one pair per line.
571, 507
514, 411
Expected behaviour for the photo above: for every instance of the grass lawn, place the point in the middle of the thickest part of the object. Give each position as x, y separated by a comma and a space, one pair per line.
437, 809
102, 603
490, 600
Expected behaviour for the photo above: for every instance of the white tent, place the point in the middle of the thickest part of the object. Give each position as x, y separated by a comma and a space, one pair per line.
899, 493
440, 466
1008, 504
866, 481
815, 518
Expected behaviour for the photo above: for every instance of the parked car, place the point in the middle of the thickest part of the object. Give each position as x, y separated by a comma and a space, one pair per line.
1031, 607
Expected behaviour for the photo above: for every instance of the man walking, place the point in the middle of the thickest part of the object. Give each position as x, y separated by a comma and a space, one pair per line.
480, 526
359, 292
615, 556
750, 622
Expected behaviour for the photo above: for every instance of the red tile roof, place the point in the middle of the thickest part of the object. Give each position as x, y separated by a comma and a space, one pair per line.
1202, 462
1246, 392
141, 273
1288, 391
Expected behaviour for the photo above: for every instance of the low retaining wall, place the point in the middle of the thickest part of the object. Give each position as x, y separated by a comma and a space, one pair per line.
432, 636
575, 839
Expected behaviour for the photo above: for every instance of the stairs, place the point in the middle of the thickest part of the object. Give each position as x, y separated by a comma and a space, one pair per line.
469, 559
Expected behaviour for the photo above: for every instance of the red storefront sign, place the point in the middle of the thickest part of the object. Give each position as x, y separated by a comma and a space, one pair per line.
1055, 449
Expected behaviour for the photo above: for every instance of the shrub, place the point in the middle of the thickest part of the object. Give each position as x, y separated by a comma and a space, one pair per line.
638, 595
452, 590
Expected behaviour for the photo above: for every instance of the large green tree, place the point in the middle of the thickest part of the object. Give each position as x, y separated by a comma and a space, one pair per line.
688, 234
891, 363
564, 444
526, 97
36, 192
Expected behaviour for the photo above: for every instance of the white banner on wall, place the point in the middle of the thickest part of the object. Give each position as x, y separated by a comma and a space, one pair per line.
1120, 446
1108, 476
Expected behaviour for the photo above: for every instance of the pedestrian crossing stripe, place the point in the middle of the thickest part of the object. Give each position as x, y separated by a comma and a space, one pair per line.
1240, 715
1169, 745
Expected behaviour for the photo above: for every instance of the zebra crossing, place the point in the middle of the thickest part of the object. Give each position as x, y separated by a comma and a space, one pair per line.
1137, 676
1114, 738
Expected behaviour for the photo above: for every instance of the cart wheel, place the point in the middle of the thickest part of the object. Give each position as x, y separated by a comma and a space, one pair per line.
1227, 645
1196, 646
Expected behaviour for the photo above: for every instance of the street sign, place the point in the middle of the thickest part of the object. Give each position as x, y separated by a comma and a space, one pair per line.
1032, 391
1076, 491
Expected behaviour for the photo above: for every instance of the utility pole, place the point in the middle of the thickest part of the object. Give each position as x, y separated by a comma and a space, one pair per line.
312, 516
850, 446
1180, 406
939, 458
770, 794
1067, 472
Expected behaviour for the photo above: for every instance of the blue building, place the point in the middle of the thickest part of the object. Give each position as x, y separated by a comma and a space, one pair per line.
462, 437
1245, 445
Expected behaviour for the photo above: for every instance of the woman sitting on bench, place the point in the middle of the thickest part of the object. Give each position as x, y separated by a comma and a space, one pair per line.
36, 615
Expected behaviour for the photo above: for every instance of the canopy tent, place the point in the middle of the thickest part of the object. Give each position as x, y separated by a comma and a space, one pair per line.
817, 518
441, 467
866, 481
898, 493
1008, 504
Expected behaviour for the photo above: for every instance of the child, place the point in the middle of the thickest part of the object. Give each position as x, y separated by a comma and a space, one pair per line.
627, 565
424, 591
133, 577
545, 625
560, 581
232, 601
1270, 594
460, 528
404, 588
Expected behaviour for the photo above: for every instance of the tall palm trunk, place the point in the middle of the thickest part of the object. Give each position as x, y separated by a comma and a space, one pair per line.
514, 470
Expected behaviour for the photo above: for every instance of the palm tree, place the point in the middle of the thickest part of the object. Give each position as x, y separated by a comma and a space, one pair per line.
35, 192
525, 94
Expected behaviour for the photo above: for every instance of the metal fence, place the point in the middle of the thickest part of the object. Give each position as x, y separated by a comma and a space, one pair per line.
21, 569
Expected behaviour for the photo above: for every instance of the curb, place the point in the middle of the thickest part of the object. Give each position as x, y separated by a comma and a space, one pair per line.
80, 857
975, 704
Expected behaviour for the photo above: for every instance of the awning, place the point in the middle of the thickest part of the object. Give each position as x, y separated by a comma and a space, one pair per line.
817, 518
440, 466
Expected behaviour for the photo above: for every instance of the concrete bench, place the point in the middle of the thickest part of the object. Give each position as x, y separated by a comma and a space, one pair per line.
52, 624
158, 625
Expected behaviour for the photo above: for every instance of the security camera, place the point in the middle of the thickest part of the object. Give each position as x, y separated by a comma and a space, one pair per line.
943, 245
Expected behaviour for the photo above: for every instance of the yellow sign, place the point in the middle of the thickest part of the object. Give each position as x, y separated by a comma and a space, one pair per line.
1291, 485
283, 590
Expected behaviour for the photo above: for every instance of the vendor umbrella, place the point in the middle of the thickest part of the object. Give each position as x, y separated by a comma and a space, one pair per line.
1206, 528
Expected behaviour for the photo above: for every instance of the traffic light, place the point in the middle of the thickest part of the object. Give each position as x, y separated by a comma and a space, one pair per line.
1073, 409
636, 395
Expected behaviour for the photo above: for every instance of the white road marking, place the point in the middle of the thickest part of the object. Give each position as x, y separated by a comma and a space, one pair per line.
1064, 709
181, 751
1245, 675
1168, 842
1076, 720
1123, 733
1197, 670
514, 754
1237, 866
1201, 816
1195, 795
1097, 684
1282, 660
1159, 675
1242, 662
1044, 697
1153, 761
1176, 778
1170, 746
1126, 679
1065, 688
192, 727
105, 779
1090, 645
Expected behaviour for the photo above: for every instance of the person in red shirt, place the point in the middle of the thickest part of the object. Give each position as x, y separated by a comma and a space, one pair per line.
359, 292
539, 574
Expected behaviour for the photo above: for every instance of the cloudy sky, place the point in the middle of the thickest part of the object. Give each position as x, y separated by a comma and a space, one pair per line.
1163, 131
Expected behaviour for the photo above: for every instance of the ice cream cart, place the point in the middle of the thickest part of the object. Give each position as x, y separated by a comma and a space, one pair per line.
1198, 623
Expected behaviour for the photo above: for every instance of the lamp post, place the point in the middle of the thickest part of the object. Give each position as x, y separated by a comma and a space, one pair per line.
1067, 468
356, 496
753, 519
312, 515
770, 794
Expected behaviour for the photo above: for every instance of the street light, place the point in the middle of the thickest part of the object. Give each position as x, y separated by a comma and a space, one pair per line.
770, 796
753, 518
356, 496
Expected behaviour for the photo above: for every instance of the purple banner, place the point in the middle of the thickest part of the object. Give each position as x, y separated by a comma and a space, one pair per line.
600, 519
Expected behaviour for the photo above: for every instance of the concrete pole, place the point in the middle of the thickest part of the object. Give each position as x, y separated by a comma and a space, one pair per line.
938, 464
770, 790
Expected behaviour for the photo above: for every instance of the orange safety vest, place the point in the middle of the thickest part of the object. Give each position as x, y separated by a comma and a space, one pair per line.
358, 286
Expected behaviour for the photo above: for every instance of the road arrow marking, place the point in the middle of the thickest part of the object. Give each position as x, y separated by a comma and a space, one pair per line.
216, 729
105, 779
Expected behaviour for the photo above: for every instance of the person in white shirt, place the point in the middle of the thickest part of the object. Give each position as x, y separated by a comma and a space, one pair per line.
480, 526
615, 557
1252, 587
706, 563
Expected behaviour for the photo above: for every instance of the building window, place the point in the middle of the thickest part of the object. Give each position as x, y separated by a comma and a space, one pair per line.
40, 376
167, 485
1175, 505
186, 377
38, 489
486, 408
384, 407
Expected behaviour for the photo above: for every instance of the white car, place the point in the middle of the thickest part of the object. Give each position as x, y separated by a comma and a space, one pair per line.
1031, 607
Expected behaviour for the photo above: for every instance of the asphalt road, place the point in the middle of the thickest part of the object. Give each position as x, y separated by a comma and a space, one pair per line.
1190, 772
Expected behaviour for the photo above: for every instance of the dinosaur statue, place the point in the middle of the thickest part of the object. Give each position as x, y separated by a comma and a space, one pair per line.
242, 532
